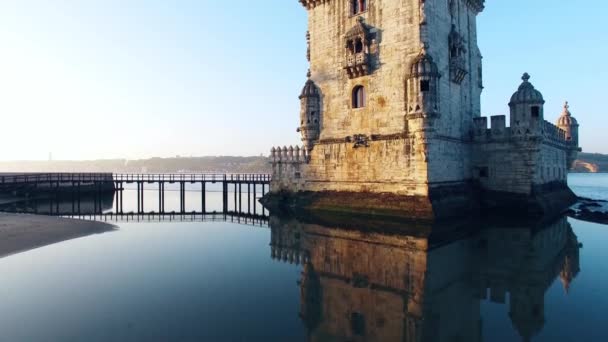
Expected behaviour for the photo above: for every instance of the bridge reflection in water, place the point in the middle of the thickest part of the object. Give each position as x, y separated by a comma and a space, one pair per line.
369, 281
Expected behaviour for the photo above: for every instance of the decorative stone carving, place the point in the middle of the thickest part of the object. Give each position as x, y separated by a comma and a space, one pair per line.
310, 4
360, 140
458, 69
452, 9
422, 13
308, 46
476, 5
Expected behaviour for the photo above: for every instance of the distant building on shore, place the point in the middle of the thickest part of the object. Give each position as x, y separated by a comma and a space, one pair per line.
391, 119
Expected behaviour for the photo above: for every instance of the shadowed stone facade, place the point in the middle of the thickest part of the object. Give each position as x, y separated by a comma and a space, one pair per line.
391, 120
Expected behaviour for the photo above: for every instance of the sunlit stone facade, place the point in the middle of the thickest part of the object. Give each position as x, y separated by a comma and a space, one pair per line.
391, 117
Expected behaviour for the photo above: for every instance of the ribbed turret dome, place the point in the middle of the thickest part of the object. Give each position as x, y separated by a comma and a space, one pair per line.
566, 119
526, 93
310, 88
423, 65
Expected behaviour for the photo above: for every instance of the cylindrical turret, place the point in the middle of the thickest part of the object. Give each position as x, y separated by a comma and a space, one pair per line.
423, 87
422, 92
310, 108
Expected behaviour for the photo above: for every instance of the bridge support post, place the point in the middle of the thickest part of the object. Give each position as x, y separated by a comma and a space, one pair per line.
160, 196
240, 198
255, 199
225, 196
122, 189
203, 197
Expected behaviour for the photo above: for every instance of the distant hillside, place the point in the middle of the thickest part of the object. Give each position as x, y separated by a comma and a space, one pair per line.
153, 165
586, 162
591, 162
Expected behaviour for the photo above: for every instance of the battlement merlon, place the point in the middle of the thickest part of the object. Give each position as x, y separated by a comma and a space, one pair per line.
476, 5
289, 155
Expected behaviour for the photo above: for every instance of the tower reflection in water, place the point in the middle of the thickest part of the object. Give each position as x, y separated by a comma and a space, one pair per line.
425, 284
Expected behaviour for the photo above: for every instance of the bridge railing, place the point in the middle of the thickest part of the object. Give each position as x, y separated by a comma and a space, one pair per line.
193, 177
28, 178
25, 178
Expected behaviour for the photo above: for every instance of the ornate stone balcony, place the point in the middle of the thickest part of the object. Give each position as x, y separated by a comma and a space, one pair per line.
357, 65
310, 4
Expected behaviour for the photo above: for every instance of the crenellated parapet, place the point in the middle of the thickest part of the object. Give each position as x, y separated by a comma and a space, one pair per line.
310, 4
554, 134
289, 254
499, 132
289, 155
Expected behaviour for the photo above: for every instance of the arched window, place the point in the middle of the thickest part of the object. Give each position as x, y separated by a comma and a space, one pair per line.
358, 6
359, 97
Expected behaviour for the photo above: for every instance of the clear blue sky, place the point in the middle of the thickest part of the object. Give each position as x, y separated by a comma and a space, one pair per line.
89, 79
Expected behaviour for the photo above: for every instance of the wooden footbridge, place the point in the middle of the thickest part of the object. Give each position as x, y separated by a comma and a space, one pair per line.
92, 189
238, 184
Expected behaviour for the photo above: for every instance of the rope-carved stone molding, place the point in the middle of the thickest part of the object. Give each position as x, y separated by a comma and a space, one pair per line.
362, 140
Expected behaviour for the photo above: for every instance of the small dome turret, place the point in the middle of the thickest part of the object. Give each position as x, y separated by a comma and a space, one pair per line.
526, 93
527, 110
423, 65
310, 88
566, 119
423, 89
568, 124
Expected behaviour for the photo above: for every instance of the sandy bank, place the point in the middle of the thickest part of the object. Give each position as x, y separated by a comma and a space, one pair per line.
22, 232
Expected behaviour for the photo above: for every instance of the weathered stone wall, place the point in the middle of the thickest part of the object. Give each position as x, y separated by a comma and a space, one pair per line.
460, 102
384, 166
395, 26
519, 164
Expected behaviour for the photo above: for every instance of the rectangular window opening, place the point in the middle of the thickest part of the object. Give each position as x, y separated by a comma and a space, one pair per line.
535, 111
484, 172
425, 85
357, 323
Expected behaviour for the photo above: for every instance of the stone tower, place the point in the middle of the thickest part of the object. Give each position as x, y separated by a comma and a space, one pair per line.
390, 108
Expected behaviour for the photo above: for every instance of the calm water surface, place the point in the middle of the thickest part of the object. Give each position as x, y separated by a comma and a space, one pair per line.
295, 281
